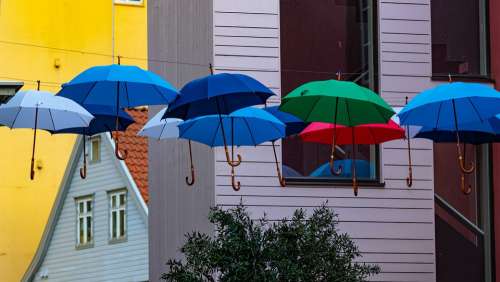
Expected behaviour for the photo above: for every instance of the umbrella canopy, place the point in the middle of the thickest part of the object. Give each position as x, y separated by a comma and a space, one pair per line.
362, 134
456, 107
339, 102
246, 127
221, 93
218, 94
319, 132
103, 122
160, 128
50, 112
42, 110
294, 125
362, 169
452, 106
116, 87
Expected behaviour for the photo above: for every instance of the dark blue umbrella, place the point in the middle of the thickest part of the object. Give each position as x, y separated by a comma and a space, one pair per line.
247, 127
293, 125
116, 87
103, 122
455, 107
218, 94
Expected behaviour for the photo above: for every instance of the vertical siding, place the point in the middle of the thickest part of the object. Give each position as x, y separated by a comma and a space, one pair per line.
180, 32
394, 225
127, 261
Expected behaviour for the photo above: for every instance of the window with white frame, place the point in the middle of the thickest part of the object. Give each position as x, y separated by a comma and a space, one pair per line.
95, 149
84, 221
117, 215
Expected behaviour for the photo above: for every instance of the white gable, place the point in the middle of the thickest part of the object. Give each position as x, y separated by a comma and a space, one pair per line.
125, 261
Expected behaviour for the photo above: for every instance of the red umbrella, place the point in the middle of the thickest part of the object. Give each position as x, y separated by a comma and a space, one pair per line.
368, 134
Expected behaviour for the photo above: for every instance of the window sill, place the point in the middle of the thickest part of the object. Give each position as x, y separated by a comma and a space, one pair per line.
463, 78
327, 183
117, 240
84, 246
120, 3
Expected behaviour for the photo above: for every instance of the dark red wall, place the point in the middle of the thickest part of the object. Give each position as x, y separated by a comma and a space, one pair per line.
494, 8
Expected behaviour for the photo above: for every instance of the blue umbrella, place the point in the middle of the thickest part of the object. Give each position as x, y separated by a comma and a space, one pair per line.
218, 94
159, 128
454, 107
103, 122
293, 124
42, 110
117, 87
247, 127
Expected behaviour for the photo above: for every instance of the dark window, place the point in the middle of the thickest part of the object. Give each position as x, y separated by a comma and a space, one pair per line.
318, 39
459, 40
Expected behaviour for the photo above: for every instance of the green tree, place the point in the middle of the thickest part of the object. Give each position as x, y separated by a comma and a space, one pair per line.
296, 249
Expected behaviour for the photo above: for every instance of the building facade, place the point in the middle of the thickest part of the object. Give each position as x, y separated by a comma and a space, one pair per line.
391, 46
98, 227
52, 41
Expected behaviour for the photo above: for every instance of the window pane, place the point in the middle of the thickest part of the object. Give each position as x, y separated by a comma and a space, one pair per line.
122, 200
113, 224
81, 237
80, 207
89, 206
95, 150
113, 201
122, 223
89, 229
330, 36
456, 37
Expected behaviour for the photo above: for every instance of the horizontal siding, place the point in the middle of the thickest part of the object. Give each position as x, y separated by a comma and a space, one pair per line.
393, 225
126, 261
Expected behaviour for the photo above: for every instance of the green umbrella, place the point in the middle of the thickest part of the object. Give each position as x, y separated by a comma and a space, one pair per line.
337, 102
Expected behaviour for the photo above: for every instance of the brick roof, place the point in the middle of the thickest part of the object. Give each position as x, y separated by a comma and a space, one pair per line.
137, 150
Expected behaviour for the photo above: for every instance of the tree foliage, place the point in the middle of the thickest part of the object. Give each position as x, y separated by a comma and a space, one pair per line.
296, 249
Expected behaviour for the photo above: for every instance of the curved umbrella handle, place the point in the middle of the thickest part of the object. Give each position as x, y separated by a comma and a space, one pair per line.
230, 162
119, 155
355, 186
461, 162
83, 171
280, 177
332, 167
464, 190
190, 182
236, 185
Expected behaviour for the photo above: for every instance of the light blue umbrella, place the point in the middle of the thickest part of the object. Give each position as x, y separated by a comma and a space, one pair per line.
455, 107
116, 87
42, 110
246, 127
160, 128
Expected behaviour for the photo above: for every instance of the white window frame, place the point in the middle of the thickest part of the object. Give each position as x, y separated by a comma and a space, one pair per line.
86, 216
93, 139
130, 2
115, 211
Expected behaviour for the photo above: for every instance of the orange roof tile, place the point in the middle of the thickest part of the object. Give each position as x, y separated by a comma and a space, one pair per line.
137, 150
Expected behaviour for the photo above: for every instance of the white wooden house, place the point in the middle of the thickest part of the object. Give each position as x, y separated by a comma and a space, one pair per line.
98, 228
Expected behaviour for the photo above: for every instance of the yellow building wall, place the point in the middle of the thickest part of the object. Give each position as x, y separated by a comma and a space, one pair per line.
51, 41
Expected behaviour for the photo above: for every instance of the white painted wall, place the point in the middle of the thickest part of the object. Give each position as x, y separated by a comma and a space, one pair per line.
394, 225
127, 261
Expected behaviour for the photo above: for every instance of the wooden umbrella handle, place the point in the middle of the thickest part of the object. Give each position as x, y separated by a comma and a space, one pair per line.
461, 163
278, 171
236, 185
464, 190
83, 171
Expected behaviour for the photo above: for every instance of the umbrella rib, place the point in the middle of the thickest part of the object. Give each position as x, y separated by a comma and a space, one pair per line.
88, 92
161, 132
52, 119
312, 108
249, 130
126, 92
474, 107
438, 115
15, 118
215, 133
